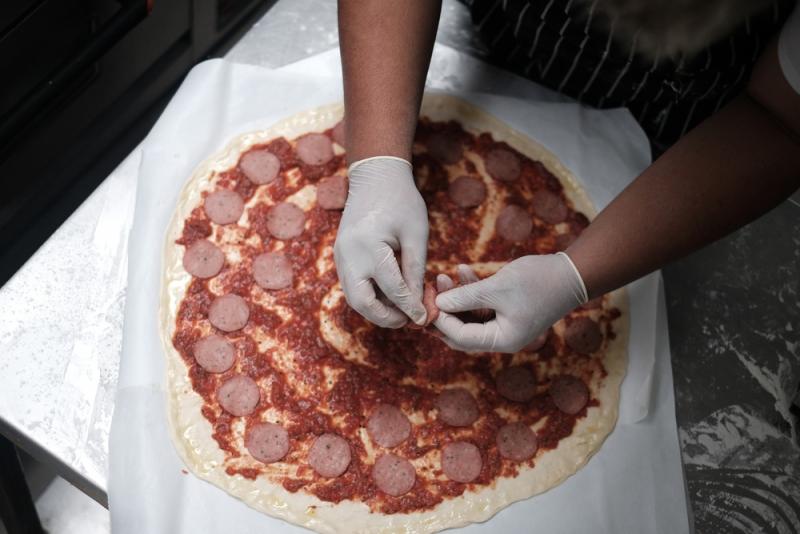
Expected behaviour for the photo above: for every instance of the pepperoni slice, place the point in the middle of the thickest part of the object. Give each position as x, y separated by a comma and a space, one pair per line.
388, 426
445, 147
461, 461
329, 455
314, 149
229, 312
516, 383
214, 353
467, 191
239, 395
538, 342
203, 259
393, 475
285, 220
260, 166
514, 223
503, 165
267, 442
517, 442
583, 335
549, 207
569, 394
429, 301
457, 407
273, 270
338, 133
224, 206
332, 192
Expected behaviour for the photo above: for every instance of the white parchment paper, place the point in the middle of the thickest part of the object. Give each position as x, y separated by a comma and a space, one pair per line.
633, 484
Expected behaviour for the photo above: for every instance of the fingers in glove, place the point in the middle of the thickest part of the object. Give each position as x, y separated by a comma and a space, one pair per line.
444, 283
362, 298
390, 280
466, 275
468, 297
450, 344
469, 337
447, 341
413, 271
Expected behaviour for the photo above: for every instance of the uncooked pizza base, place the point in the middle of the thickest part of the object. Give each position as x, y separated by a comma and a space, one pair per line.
192, 433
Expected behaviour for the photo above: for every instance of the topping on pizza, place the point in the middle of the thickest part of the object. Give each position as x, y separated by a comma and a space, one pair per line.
301, 391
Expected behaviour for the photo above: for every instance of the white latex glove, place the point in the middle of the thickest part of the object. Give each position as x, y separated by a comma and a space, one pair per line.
528, 295
384, 214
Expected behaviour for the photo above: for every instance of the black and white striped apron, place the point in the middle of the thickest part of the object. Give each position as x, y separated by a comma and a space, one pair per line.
569, 46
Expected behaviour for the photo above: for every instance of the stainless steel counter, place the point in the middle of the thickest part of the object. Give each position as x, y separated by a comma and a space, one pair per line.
734, 312
61, 314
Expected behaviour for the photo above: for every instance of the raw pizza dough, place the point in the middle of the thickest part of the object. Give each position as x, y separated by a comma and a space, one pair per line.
191, 432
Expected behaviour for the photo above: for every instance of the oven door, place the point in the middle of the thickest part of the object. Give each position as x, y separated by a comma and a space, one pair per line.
83, 82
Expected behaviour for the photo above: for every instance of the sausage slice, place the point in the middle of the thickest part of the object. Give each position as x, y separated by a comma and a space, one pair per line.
516, 383
286, 220
569, 394
314, 149
214, 353
260, 166
203, 259
273, 270
330, 455
388, 426
239, 395
457, 407
467, 191
267, 442
503, 165
549, 207
583, 335
514, 224
332, 192
517, 442
229, 313
223, 206
393, 475
461, 461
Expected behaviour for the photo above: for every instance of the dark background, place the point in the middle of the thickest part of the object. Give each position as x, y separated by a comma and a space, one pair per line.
83, 81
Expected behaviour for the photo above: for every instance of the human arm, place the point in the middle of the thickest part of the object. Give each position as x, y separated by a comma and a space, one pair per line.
729, 170
385, 48
732, 168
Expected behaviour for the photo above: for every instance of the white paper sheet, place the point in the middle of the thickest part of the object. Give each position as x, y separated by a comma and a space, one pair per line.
633, 484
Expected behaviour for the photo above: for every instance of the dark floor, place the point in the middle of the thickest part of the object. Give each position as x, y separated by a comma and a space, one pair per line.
734, 319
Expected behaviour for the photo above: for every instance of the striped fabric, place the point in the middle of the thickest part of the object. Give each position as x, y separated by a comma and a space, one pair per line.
569, 46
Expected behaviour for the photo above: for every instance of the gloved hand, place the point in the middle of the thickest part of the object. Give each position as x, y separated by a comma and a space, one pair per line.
528, 295
465, 276
384, 214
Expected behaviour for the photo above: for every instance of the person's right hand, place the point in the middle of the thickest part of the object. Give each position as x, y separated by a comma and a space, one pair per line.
384, 214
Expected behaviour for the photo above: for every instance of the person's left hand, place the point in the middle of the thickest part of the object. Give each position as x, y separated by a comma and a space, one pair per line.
527, 295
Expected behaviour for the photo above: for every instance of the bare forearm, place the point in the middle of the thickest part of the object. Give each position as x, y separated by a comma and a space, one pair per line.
725, 173
386, 47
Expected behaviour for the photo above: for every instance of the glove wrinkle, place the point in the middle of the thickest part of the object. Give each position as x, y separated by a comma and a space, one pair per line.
384, 213
527, 295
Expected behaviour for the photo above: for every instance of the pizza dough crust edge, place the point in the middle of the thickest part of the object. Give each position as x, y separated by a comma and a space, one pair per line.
191, 432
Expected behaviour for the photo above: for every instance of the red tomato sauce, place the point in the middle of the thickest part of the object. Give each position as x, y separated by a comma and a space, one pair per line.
406, 368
